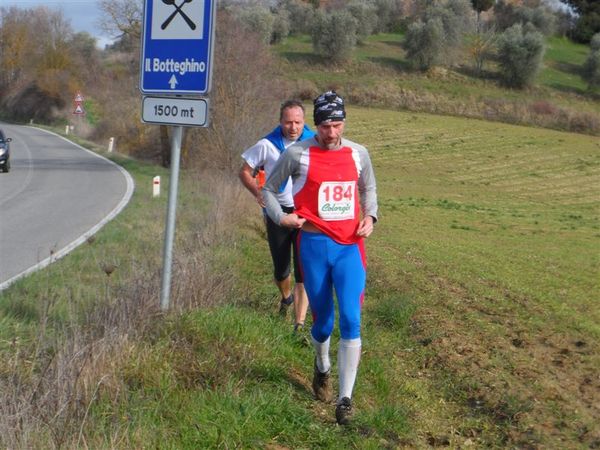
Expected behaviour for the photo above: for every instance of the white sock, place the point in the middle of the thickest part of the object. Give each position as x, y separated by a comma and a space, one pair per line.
348, 359
322, 353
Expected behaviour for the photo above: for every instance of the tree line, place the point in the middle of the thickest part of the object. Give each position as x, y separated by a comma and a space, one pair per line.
437, 32
43, 62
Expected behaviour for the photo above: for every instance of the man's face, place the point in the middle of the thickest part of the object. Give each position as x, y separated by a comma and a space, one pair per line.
330, 134
292, 122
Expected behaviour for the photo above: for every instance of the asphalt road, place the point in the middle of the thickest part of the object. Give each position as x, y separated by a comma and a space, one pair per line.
56, 195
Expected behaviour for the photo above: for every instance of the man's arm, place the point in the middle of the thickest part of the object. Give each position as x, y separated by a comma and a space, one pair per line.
285, 167
367, 189
250, 183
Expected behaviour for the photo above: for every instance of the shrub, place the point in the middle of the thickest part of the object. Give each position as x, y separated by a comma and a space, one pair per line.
587, 24
423, 43
544, 20
455, 18
365, 14
506, 15
595, 42
281, 26
334, 35
591, 69
300, 15
256, 19
520, 56
390, 14
440, 35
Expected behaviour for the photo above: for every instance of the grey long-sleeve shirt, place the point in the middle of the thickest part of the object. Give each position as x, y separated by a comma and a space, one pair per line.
296, 162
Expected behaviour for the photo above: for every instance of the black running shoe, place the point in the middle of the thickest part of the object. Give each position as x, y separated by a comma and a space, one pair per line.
343, 411
284, 305
322, 385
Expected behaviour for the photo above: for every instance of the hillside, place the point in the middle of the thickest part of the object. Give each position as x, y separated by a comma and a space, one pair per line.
480, 329
378, 75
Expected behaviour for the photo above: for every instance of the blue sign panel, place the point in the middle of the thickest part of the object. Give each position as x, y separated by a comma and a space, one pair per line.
177, 44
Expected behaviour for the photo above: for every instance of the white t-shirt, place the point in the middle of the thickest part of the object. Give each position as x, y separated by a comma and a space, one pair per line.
264, 153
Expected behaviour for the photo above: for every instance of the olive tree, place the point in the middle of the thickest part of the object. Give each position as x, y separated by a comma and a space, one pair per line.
334, 35
300, 15
423, 43
520, 54
591, 66
365, 14
439, 35
258, 19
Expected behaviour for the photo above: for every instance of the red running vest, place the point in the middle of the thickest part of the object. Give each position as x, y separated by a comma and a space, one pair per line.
329, 197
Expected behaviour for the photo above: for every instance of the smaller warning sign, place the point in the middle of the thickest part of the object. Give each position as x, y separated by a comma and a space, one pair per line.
79, 110
78, 98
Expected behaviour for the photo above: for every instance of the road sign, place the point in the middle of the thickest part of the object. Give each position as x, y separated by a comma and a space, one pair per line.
175, 111
78, 110
177, 46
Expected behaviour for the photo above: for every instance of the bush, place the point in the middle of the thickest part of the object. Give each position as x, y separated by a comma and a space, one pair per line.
334, 35
281, 26
365, 14
587, 25
595, 42
439, 36
256, 19
390, 14
520, 56
591, 69
544, 20
423, 43
506, 15
300, 16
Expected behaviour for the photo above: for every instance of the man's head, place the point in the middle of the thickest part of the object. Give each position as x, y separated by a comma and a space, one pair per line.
291, 119
329, 115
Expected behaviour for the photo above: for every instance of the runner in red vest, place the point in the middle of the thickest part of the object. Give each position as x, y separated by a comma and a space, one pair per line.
335, 200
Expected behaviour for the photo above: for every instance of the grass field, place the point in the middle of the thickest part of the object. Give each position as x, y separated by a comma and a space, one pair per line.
480, 326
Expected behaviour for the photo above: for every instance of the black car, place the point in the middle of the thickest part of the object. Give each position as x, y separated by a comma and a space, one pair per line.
4, 152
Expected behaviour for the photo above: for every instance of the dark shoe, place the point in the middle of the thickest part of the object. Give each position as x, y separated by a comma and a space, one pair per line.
343, 411
299, 328
284, 305
322, 385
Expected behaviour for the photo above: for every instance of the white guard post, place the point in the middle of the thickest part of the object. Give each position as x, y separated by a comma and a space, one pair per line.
156, 186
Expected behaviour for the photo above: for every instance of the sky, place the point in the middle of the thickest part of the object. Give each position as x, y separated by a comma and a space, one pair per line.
82, 14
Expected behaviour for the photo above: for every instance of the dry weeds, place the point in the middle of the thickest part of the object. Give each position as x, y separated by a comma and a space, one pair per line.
49, 385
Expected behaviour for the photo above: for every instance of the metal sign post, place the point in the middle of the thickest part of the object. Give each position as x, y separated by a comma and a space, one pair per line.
171, 212
176, 61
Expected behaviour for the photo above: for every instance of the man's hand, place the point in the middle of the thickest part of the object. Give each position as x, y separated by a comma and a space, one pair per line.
365, 227
292, 221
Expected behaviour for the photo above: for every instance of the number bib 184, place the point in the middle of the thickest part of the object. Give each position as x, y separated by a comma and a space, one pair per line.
336, 200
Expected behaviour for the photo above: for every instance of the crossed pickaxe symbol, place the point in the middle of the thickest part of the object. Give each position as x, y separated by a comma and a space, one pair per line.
178, 10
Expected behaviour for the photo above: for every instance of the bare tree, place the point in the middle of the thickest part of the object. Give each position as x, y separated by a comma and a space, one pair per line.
122, 18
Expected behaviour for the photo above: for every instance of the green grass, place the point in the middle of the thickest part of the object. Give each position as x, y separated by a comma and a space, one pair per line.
479, 326
562, 65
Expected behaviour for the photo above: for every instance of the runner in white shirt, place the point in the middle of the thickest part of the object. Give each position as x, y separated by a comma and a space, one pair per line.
282, 241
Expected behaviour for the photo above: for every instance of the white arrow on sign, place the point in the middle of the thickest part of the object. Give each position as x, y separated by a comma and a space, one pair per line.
173, 82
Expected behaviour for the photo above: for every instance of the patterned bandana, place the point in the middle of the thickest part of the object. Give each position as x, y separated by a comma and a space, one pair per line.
328, 107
